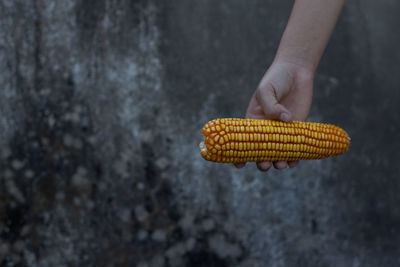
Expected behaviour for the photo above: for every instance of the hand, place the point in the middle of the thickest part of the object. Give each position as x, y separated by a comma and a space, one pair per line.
284, 93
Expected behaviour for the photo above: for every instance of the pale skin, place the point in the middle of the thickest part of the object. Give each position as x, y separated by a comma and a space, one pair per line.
285, 91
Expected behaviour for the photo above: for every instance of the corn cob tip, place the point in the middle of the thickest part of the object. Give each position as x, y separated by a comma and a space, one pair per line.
203, 148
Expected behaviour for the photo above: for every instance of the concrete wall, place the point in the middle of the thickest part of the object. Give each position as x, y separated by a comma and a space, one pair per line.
101, 106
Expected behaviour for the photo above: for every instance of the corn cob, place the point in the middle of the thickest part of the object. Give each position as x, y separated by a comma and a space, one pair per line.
232, 140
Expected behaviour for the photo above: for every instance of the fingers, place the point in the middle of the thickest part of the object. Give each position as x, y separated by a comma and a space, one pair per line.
272, 109
239, 165
280, 165
264, 166
254, 110
293, 164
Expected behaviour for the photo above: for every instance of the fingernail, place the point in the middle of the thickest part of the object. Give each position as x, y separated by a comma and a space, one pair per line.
285, 117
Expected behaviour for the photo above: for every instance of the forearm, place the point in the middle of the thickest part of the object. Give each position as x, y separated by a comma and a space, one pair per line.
308, 31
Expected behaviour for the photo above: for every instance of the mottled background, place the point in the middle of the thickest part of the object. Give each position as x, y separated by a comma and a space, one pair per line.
101, 106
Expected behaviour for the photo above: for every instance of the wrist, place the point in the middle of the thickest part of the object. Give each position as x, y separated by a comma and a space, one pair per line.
298, 63
296, 67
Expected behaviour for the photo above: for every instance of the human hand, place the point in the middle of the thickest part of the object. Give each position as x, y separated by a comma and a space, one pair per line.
284, 93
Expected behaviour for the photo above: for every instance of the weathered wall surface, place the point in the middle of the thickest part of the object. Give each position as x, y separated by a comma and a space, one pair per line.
101, 105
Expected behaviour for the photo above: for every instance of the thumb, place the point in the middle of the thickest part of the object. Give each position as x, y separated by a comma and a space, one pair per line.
272, 109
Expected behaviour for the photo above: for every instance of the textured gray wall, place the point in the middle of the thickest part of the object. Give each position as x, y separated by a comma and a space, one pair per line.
101, 106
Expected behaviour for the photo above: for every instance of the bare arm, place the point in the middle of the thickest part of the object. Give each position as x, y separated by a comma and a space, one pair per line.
285, 91
308, 31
